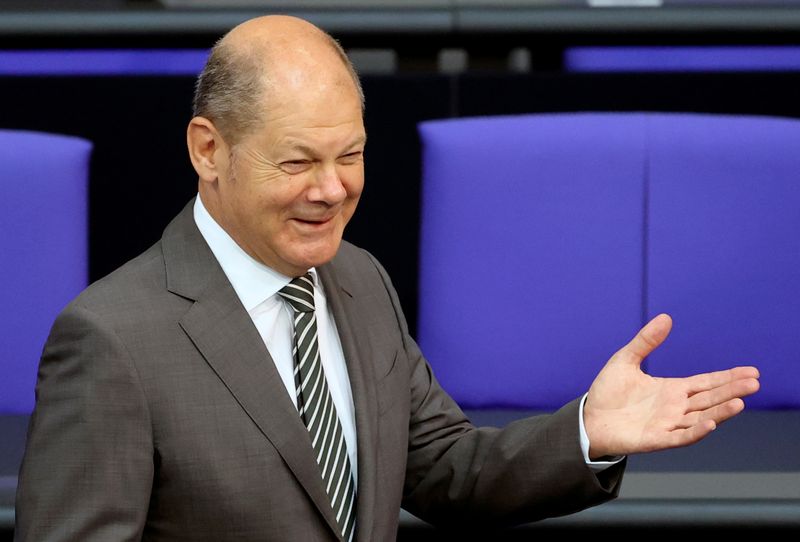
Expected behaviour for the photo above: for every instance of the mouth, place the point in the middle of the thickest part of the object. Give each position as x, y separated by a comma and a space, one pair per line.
315, 222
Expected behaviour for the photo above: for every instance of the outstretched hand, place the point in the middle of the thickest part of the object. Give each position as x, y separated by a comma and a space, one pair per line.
628, 411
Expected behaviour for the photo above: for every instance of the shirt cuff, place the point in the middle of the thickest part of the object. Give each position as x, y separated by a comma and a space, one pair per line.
595, 466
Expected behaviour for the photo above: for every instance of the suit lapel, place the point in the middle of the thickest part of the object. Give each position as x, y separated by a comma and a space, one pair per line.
357, 354
226, 337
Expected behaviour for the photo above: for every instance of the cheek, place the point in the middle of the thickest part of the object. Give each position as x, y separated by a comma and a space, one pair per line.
354, 185
351, 202
275, 198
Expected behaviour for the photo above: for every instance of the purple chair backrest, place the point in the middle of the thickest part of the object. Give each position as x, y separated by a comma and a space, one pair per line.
43, 242
724, 248
548, 240
531, 250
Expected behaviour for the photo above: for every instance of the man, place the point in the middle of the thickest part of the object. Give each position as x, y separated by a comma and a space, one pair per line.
251, 376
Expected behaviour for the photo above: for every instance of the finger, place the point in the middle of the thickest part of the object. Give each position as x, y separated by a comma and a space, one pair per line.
721, 394
707, 381
718, 414
647, 340
685, 437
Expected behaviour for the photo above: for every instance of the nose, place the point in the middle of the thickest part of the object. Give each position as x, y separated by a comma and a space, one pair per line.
328, 187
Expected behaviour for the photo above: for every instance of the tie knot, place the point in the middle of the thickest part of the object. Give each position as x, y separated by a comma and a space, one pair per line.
299, 293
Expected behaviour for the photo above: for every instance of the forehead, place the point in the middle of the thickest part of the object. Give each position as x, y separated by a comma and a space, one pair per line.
305, 86
315, 111
313, 94
307, 72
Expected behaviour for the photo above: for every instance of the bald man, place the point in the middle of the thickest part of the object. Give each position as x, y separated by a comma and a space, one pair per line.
181, 397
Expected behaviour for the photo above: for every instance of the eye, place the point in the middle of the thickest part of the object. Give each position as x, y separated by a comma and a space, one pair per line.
293, 167
351, 157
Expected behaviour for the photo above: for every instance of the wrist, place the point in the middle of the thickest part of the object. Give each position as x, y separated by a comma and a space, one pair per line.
594, 433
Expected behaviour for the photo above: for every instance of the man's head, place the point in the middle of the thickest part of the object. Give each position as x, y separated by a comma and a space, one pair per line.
277, 141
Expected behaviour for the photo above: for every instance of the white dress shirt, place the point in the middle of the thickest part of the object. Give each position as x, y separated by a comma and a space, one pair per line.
257, 287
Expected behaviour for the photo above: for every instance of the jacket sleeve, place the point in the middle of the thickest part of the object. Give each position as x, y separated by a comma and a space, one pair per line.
461, 475
88, 466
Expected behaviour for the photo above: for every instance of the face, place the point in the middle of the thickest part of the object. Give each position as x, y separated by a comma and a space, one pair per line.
290, 188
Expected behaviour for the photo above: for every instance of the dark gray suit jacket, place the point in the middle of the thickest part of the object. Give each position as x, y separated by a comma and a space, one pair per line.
160, 416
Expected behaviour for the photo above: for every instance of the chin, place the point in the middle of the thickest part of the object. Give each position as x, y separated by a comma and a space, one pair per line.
318, 256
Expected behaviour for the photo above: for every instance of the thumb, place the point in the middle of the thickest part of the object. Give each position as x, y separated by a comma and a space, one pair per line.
648, 339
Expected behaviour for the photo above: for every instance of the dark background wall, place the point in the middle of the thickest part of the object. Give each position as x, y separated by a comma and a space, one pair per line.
141, 176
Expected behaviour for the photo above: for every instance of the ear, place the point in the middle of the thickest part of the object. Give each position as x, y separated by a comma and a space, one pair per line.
207, 150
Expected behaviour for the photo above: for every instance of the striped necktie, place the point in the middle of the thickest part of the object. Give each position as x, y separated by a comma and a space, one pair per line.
316, 406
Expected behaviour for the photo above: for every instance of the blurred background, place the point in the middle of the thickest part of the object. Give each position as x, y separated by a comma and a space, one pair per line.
120, 74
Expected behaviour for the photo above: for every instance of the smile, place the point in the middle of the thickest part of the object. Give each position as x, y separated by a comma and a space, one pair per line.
313, 223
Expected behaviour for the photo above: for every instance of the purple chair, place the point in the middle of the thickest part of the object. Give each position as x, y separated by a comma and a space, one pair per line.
548, 240
724, 248
682, 58
531, 251
43, 242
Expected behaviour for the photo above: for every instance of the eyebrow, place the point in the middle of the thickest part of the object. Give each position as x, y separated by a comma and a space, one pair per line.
361, 140
305, 149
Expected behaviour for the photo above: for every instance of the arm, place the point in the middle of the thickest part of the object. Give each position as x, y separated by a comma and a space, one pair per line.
88, 465
529, 470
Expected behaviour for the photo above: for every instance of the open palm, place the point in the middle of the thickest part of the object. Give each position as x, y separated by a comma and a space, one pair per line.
628, 411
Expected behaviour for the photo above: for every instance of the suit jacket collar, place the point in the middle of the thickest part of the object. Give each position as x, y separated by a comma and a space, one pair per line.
223, 332
343, 296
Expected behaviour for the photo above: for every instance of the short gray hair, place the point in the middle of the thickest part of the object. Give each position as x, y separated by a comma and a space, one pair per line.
230, 89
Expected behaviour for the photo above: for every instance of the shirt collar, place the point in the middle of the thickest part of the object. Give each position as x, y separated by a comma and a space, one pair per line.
253, 281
